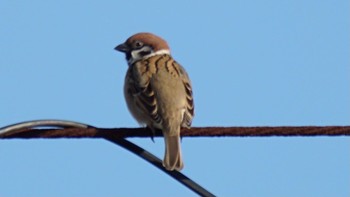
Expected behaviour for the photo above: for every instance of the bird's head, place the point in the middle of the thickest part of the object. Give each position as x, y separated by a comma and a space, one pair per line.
141, 46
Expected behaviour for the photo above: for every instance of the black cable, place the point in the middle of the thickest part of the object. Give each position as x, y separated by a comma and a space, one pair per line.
158, 163
39, 124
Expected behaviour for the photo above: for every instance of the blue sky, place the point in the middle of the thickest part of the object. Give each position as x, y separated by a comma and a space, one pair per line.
252, 63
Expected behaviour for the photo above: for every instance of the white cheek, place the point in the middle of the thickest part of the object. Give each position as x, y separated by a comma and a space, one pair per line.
136, 54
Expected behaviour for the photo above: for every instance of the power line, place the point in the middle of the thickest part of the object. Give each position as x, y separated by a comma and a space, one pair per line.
74, 130
27, 129
70, 129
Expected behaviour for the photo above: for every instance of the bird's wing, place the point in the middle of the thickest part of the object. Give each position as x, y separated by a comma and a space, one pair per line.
189, 112
142, 91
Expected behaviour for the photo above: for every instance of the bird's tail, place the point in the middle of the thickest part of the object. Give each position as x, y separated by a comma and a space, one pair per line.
172, 158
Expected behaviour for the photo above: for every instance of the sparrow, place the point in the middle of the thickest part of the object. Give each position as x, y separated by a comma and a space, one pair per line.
158, 91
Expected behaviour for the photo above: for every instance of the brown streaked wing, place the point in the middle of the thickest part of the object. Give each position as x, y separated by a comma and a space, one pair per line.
145, 96
189, 113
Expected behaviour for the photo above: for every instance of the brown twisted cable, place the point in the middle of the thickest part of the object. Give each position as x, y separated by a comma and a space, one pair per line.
193, 132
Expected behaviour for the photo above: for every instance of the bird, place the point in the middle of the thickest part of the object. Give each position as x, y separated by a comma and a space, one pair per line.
158, 92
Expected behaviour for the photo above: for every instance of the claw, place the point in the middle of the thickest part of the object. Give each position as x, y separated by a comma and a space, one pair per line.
151, 133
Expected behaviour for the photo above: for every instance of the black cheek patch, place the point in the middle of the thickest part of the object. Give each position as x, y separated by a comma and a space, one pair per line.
144, 53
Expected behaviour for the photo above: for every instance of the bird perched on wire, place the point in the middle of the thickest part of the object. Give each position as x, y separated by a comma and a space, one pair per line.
158, 91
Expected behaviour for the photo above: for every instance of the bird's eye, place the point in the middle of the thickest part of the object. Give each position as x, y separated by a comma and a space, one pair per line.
138, 44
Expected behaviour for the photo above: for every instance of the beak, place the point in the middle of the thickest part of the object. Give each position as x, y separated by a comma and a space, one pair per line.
122, 48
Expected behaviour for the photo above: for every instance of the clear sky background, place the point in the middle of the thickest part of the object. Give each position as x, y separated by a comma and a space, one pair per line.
252, 63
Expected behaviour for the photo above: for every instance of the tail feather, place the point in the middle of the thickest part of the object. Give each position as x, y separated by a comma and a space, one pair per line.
172, 158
